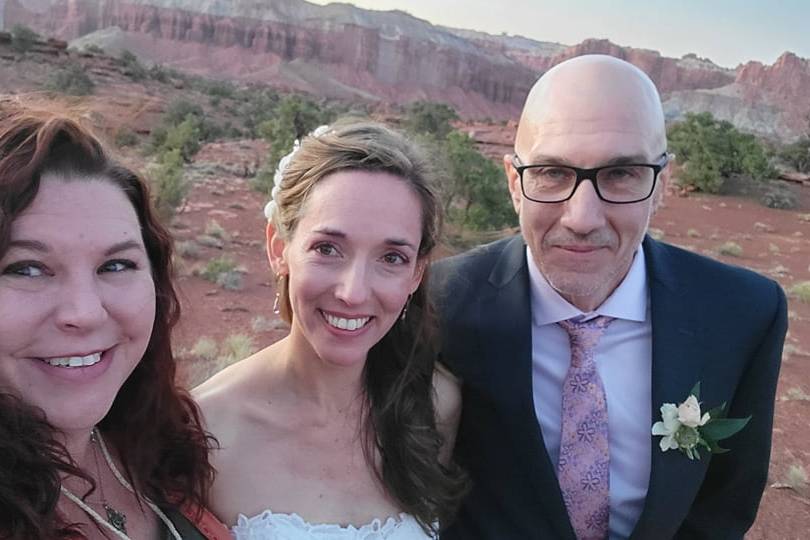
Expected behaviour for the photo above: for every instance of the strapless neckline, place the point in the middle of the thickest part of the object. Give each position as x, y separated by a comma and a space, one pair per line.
269, 525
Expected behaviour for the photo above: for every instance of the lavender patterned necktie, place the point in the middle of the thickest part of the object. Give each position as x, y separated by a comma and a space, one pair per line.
583, 467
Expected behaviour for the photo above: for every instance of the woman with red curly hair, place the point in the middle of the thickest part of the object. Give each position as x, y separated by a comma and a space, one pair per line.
96, 441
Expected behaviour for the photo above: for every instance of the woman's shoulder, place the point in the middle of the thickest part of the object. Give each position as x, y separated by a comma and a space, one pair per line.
447, 394
447, 404
215, 396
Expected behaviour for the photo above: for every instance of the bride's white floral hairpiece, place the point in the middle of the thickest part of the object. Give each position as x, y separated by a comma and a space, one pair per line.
270, 207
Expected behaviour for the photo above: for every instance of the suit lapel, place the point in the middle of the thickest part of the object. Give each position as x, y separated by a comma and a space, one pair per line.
506, 313
677, 363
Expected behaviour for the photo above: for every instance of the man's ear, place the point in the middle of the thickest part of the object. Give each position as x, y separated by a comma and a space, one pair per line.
513, 182
661, 186
275, 247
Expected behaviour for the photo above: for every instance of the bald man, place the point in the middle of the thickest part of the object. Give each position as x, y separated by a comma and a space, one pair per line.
569, 337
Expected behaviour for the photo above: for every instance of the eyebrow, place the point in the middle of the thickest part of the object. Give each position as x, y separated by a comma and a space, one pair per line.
123, 246
35, 245
399, 242
618, 160
32, 245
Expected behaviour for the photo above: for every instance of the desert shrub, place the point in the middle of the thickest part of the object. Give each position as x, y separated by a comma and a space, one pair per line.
220, 271
713, 150
220, 89
431, 118
796, 477
260, 324
169, 185
157, 72
93, 48
72, 80
294, 117
188, 249
205, 348
256, 107
23, 38
183, 137
210, 241
797, 394
777, 195
730, 249
473, 189
801, 291
213, 228
184, 125
475, 195
131, 66
125, 137
236, 347
232, 280
797, 154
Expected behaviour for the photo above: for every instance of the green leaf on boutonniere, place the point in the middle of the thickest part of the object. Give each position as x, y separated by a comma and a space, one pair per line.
718, 412
722, 428
695, 391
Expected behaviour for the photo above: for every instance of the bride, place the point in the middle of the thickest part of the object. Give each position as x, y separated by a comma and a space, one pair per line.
343, 429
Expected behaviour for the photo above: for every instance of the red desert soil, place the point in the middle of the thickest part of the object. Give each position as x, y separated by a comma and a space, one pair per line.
774, 242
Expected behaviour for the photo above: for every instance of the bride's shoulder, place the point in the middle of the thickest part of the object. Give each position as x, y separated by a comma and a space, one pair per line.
446, 394
447, 404
215, 395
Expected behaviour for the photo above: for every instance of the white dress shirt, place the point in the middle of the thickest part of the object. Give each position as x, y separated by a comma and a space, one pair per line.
623, 359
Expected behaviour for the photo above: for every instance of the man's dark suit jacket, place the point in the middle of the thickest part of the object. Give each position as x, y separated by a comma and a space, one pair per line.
720, 325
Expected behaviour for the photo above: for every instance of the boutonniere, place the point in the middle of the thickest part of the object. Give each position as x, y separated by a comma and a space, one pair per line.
684, 428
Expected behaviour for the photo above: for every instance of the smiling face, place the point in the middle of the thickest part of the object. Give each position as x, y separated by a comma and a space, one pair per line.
352, 261
77, 300
587, 112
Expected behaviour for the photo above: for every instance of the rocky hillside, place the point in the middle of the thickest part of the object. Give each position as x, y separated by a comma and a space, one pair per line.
341, 51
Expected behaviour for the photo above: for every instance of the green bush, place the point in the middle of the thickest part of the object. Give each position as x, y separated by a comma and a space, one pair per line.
205, 348
72, 80
23, 38
475, 196
158, 73
183, 137
216, 268
93, 48
255, 108
430, 118
169, 185
125, 137
801, 291
132, 66
797, 154
294, 118
779, 196
713, 150
730, 249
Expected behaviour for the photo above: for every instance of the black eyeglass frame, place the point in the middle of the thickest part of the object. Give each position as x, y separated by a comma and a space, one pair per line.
590, 174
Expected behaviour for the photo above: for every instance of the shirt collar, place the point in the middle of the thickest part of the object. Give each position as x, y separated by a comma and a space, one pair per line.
629, 300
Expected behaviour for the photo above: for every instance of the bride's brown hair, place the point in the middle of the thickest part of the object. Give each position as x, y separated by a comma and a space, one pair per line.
399, 370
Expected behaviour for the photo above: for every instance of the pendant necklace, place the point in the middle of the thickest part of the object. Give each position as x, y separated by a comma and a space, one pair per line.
116, 520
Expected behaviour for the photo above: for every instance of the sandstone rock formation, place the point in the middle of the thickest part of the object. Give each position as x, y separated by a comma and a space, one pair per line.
342, 51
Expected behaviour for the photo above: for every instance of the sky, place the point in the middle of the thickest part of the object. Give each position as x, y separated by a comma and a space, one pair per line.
728, 32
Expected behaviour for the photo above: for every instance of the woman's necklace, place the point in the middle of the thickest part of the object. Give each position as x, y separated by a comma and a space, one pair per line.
116, 520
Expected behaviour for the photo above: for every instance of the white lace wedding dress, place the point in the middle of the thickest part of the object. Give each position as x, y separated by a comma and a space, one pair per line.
270, 526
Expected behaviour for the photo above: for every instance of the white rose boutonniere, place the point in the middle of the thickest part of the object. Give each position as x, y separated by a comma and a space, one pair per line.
682, 427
